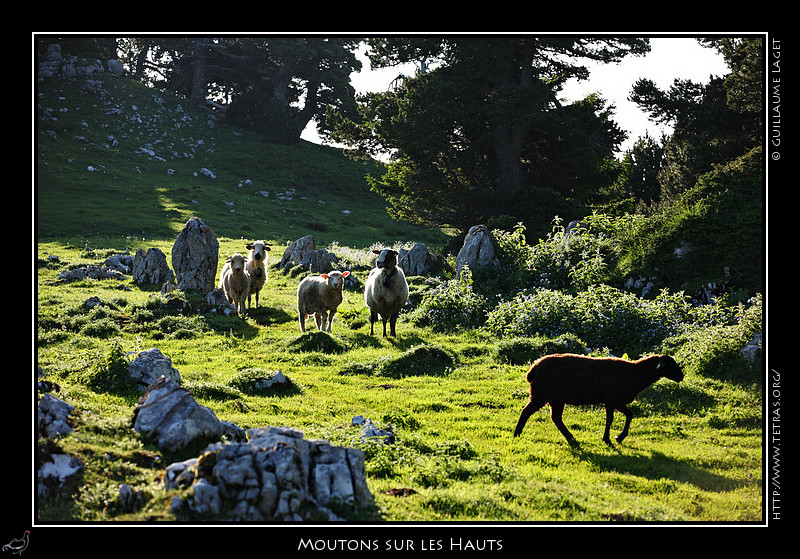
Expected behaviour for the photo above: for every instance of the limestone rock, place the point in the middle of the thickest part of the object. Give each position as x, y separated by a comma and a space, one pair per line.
276, 475
477, 250
416, 261
150, 365
169, 417
195, 254
304, 252
53, 417
151, 267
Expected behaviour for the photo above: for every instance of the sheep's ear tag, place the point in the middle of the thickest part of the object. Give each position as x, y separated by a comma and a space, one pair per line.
345, 274
326, 276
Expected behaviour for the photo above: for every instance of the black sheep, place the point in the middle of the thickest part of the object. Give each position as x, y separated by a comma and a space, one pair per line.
577, 379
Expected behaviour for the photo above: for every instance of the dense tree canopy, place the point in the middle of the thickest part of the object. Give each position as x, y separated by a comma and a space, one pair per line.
713, 123
478, 133
481, 131
273, 84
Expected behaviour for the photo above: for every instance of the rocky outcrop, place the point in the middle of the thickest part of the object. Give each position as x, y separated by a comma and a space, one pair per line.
150, 266
304, 253
195, 255
53, 416
477, 250
53, 64
276, 475
415, 261
169, 417
150, 365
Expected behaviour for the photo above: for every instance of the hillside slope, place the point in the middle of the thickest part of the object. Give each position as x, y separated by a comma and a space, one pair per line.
713, 232
118, 159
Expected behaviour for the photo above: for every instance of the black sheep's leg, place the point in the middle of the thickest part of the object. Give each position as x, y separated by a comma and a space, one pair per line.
609, 419
392, 323
628, 416
527, 411
556, 411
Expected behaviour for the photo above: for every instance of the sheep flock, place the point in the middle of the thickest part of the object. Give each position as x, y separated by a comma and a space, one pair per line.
556, 379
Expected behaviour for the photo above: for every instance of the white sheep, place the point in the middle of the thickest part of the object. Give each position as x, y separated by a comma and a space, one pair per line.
235, 281
320, 295
577, 379
386, 291
255, 266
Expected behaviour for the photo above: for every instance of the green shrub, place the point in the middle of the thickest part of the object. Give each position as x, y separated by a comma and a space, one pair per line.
254, 380
540, 311
101, 328
179, 327
401, 419
602, 316
213, 391
110, 373
419, 360
451, 305
715, 351
567, 261
721, 218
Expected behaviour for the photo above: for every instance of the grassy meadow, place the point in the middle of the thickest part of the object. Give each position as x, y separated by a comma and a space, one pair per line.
121, 169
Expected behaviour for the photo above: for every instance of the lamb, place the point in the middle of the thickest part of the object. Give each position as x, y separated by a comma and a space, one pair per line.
321, 296
386, 291
577, 379
256, 268
235, 281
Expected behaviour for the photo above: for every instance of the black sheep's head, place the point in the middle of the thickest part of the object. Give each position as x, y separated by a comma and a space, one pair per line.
669, 368
387, 258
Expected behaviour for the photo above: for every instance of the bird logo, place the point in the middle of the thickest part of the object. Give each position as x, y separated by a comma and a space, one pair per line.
18, 545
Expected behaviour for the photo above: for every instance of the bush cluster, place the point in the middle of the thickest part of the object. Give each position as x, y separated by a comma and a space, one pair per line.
602, 316
451, 305
566, 260
715, 350
561, 287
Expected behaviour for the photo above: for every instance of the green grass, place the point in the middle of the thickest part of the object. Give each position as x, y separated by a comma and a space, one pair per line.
94, 179
694, 453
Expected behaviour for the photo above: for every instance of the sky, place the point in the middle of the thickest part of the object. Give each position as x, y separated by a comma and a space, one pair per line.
669, 59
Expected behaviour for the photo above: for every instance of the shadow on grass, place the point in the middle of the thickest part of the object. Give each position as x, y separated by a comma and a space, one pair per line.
656, 466
269, 316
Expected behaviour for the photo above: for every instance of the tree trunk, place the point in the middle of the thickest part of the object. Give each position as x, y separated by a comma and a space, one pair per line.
199, 86
309, 108
511, 128
507, 140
